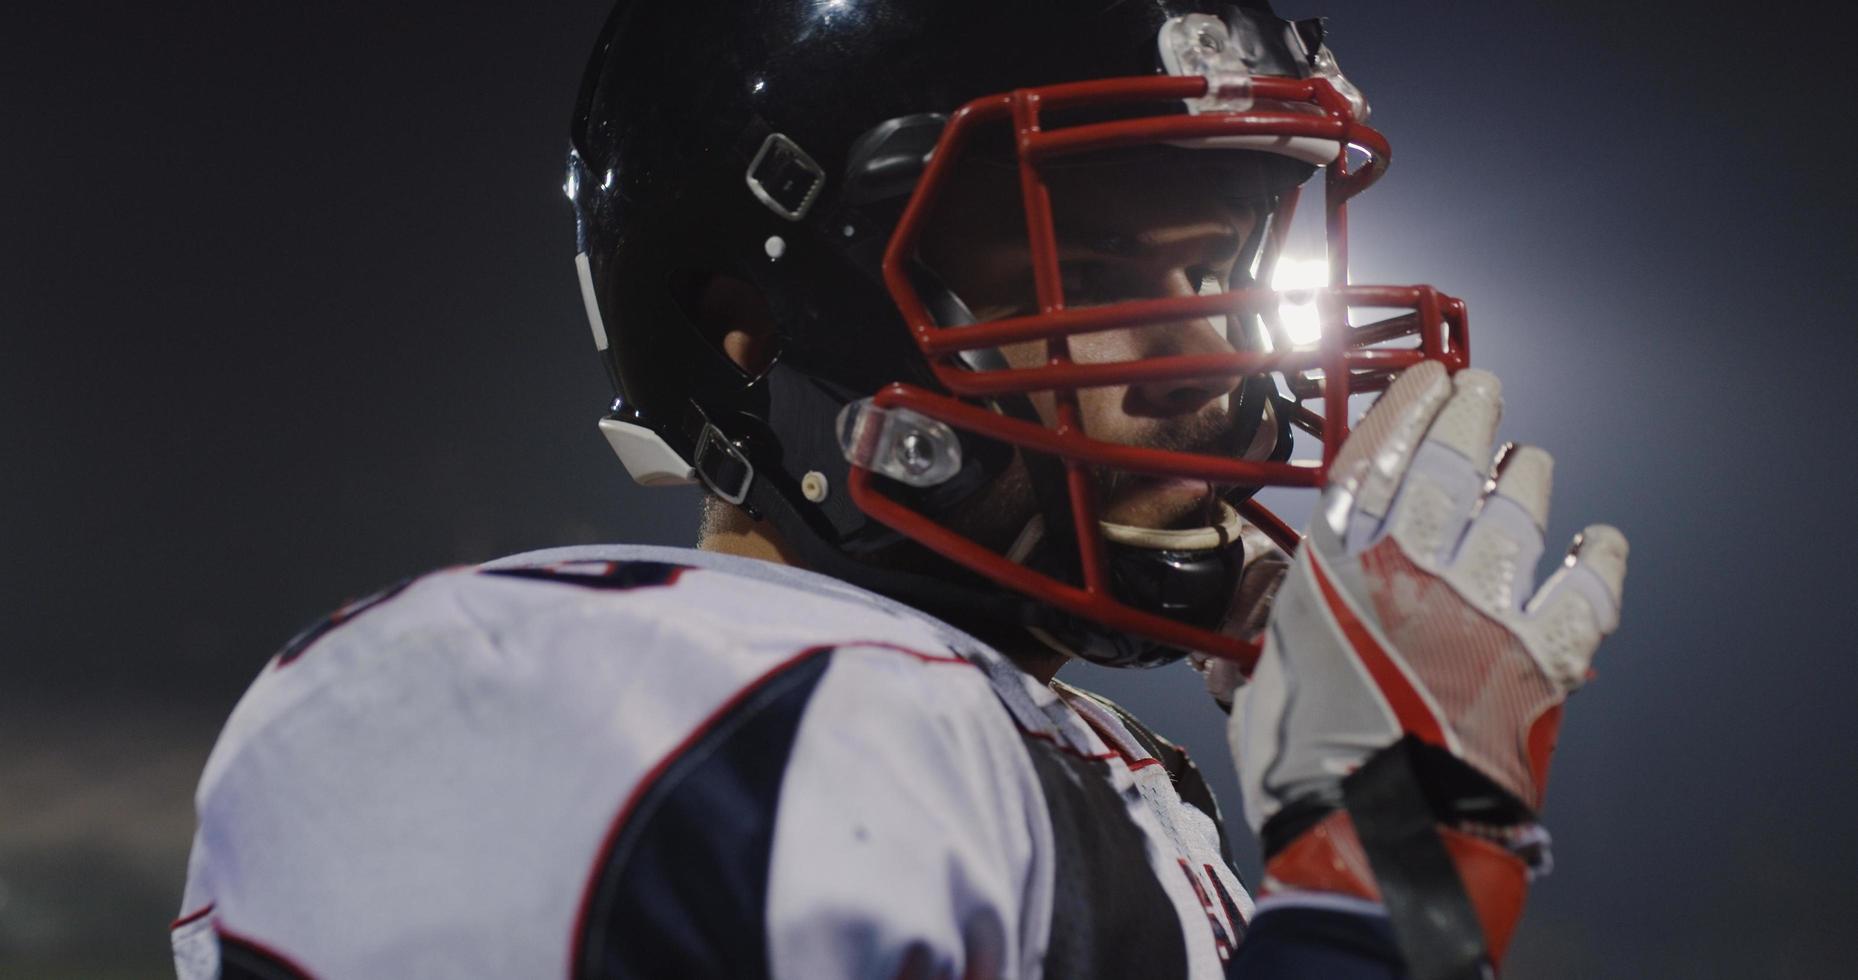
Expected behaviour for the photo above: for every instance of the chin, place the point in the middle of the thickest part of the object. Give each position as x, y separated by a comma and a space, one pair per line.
1161, 504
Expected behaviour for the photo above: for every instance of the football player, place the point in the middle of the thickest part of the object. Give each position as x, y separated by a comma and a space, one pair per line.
959, 311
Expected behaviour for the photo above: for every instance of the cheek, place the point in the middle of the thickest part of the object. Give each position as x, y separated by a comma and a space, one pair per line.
1103, 415
1031, 354
996, 516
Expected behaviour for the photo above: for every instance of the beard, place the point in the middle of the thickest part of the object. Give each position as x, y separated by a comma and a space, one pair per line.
1211, 432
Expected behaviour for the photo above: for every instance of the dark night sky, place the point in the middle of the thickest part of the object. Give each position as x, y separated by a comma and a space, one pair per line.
287, 312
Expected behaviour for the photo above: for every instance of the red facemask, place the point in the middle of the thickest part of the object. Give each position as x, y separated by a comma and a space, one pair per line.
1347, 359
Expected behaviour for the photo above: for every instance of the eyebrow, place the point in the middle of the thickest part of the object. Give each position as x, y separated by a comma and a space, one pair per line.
1107, 241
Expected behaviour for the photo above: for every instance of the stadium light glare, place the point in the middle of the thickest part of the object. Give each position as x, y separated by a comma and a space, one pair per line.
1297, 279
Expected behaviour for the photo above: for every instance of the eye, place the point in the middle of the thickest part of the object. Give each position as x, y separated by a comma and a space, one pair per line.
1205, 278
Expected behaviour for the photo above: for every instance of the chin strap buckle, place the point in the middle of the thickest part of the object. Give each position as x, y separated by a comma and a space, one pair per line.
722, 465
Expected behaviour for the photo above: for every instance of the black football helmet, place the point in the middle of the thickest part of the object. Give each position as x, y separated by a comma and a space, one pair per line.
796, 145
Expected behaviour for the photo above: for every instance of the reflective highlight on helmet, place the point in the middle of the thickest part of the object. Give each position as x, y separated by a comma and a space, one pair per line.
1202, 44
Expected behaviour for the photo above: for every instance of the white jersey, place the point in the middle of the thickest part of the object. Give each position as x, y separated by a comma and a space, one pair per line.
634, 761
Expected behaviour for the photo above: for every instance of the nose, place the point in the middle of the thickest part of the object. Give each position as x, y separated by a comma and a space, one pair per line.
1181, 396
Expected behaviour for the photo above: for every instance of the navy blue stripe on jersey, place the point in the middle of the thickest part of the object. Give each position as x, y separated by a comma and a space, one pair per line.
615, 575
1110, 916
1302, 942
681, 887
1225, 900
354, 607
245, 959
1222, 938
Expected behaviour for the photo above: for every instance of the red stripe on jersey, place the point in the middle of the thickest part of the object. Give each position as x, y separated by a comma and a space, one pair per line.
1222, 938
193, 916
928, 658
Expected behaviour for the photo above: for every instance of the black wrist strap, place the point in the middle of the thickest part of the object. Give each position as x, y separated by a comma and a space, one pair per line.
1432, 916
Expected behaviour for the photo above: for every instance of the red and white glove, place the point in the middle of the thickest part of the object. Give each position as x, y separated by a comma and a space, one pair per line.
1411, 610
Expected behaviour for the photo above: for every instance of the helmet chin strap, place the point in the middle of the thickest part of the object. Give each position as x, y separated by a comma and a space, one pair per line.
1187, 574
1227, 528
1218, 535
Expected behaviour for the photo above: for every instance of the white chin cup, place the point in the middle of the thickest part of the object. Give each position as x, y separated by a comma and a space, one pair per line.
1228, 530
1186, 539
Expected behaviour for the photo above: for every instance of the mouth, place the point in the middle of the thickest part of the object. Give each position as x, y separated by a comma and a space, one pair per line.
1176, 503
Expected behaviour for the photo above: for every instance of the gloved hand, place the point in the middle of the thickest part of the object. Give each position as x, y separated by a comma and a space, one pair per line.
1411, 610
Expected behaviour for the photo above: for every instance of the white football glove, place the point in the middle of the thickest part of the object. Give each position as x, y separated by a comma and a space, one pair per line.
1412, 608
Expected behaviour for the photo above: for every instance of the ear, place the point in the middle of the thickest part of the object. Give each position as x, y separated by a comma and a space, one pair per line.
733, 316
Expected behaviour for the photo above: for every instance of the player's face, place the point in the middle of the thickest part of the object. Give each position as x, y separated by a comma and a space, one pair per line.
1130, 229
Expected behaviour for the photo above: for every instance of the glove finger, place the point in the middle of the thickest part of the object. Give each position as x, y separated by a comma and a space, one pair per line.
1578, 606
1378, 450
1500, 549
1602, 548
1435, 497
1526, 478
